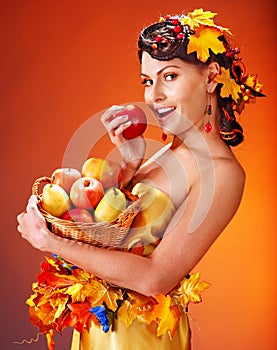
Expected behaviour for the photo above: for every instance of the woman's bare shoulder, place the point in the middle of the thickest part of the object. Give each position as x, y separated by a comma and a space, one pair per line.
229, 170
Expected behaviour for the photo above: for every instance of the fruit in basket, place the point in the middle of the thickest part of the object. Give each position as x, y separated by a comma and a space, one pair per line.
55, 200
108, 172
111, 205
78, 215
137, 118
65, 177
86, 192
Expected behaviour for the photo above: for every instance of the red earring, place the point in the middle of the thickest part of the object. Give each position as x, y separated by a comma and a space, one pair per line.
208, 125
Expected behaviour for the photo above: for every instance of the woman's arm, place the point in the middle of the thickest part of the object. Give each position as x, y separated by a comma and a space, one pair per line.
176, 255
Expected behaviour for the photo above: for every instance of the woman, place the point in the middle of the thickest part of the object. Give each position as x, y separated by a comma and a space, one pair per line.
194, 83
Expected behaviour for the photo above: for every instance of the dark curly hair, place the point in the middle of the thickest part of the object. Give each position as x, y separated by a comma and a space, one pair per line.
162, 42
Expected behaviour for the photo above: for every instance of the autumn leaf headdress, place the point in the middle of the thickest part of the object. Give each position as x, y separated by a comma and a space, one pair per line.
195, 37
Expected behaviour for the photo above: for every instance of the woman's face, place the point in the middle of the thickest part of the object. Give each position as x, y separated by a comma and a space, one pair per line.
176, 91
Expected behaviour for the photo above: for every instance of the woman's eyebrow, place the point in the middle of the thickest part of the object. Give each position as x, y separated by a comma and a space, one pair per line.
161, 70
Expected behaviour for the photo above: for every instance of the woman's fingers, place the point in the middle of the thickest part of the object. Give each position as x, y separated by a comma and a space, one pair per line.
32, 225
108, 114
118, 130
20, 217
20, 220
31, 217
111, 121
32, 207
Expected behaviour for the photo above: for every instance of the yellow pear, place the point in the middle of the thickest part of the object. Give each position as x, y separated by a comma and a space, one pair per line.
156, 212
55, 200
111, 205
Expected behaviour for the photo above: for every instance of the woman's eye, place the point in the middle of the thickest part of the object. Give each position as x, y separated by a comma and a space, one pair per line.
147, 82
170, 76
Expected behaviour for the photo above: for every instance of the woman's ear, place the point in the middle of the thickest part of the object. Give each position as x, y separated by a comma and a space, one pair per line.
213, 71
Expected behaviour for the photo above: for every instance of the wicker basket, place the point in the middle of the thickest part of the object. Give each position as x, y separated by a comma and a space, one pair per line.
107, 235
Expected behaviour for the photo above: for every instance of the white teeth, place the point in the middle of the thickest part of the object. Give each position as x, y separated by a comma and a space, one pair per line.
165, 110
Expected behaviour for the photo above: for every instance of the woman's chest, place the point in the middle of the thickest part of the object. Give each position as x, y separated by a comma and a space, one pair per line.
170, 174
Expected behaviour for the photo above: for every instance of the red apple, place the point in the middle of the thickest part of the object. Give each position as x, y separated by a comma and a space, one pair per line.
86, 192
65, 177
108, 172
78, 215
138, 121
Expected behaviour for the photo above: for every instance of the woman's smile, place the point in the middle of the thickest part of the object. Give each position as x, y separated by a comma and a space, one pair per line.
164, 113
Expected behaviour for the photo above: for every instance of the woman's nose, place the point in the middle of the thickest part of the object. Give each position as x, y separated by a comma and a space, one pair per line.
155, 94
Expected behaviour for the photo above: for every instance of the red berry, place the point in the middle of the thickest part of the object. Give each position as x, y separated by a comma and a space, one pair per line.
180, 36
177, 29
175, 21
158, 38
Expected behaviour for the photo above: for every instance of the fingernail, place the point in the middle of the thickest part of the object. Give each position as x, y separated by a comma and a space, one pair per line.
116, 108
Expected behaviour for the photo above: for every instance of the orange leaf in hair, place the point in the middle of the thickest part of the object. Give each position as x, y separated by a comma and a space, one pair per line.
252, 82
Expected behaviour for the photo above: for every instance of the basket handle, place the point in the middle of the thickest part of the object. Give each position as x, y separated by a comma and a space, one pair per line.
129, 195
37, 183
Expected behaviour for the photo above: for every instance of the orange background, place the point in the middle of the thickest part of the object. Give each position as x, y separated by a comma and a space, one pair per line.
63, 61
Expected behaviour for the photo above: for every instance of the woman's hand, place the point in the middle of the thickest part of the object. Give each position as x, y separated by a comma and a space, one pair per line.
32, 226
132, 151
115, 127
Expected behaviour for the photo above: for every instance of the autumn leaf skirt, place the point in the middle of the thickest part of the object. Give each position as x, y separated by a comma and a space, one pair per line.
108, 317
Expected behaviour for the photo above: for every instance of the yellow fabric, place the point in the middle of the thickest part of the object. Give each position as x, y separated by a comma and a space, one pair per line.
150, 223
136, 337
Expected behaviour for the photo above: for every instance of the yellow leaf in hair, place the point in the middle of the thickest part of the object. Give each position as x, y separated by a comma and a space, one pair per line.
205, 39
199, 18
252, 81
230, 87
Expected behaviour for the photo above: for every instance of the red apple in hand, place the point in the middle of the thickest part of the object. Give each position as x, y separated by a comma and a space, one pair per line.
108, 172
78, 215
86, 192
138, 121
65, 177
